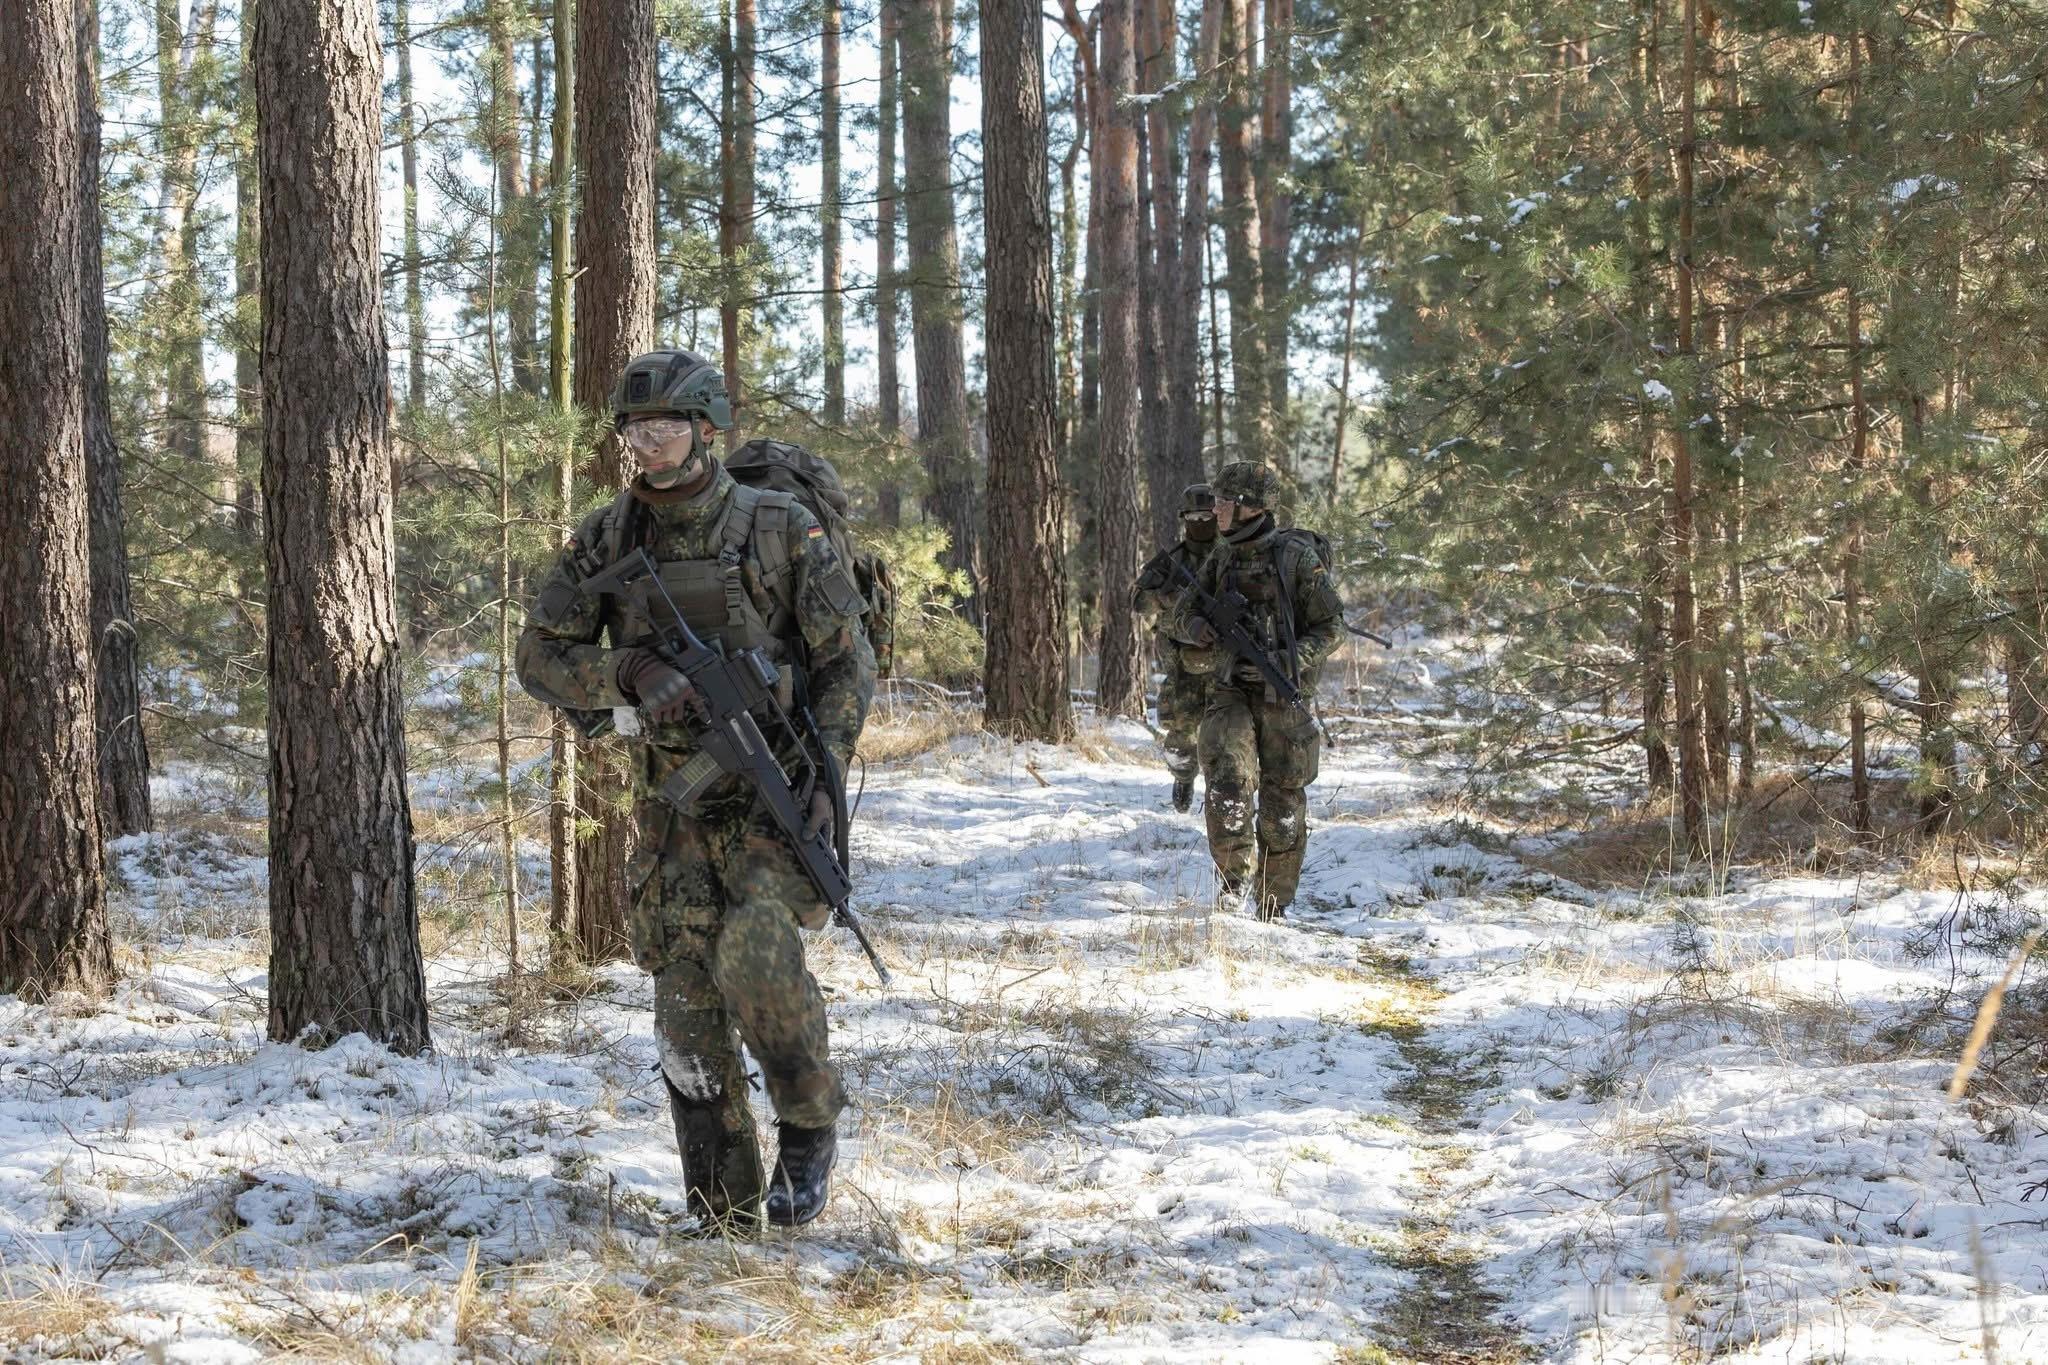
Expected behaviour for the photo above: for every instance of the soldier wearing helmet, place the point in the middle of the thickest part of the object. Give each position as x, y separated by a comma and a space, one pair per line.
1160, 584
718, 896
1259, 754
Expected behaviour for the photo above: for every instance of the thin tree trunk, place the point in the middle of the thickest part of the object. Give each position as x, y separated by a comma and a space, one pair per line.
1212, 287
1120, 676
248, 327
562, 737
409, 162
1852, 553
1732, 543
184, 319
1025, 671
1069, 362
614, 320
1166, 474
833, 270
53, 910
1651, 634
1249, 371
1185, 379
1685, 670
736, 216
508, 841
1276, 192
887, 347
344, 925
123, 748
1344, 379
935, 301
516, 262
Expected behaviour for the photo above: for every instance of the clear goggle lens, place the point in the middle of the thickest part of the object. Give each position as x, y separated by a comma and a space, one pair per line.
657, 432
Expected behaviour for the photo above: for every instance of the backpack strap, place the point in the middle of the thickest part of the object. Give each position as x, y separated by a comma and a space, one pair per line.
733, 535
772, 549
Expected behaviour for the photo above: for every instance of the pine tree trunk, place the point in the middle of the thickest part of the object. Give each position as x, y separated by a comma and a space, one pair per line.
1153, 471
889, 502
53, 911
1069, 360
1240, 213
935, 308
248, 326
1120, 678
409, 161
182, 301
1344, 378
1652, 638
1276, 193
736, 220
517, 261
833, 254
1934, 663
614, 320
1732, 546
1184, 385
1025, 672
1685, 654
123, 749
344, 926
562, 870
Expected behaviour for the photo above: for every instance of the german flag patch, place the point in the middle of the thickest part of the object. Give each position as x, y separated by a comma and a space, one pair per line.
815, 531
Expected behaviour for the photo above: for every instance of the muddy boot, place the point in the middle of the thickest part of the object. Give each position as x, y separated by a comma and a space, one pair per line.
1279, 875
721, 1163
1184, 792
803, 1174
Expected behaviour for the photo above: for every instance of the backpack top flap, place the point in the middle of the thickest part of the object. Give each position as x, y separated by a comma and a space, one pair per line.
786, 468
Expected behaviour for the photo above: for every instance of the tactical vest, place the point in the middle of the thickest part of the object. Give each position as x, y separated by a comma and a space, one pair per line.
745, 598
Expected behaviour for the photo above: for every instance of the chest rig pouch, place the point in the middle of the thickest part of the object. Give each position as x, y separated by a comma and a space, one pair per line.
745, 598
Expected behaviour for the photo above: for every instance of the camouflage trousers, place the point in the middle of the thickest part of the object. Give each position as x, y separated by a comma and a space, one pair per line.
718, 898
1182, 695
1258, 757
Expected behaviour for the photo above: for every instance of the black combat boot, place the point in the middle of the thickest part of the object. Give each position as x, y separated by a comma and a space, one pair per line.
1183, 792
803, 1174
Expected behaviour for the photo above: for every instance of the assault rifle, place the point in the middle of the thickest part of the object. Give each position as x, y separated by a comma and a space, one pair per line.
1226, 616
731, 689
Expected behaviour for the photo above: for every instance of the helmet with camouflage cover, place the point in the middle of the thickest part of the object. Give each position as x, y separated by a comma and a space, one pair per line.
667, 382
1248, 483
1197, 500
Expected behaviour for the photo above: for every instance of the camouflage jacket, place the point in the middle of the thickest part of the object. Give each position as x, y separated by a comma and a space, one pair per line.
1264, 568
570, 652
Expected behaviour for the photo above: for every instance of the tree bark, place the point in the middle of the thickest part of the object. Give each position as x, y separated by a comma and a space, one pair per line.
1860, 817
248, 326
184, 319
614, 320
344, 926
1120, 679
889, 396
935, 291
409, 161
517, 260
1025, 673
123, 748
1068, 363
1685, 653
53, 911
1184, 383
1240, 214
1276, 191
833, 270
562, 869
736, 216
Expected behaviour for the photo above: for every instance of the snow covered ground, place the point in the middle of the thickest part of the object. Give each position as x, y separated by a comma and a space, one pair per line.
1455, 1110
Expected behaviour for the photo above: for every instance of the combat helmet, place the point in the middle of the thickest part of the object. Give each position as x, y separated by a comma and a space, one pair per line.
1197, 500
1248, 483
672, 382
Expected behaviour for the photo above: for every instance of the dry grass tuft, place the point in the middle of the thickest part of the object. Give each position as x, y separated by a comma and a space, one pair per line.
912, 732
56, 1314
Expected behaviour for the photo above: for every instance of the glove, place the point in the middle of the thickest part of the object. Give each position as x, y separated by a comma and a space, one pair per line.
1201, 634
818, 820
664, 695
819, 815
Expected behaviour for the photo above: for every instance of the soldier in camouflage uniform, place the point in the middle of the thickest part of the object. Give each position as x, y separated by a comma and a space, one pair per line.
1160, 584
1258, 753
718, 895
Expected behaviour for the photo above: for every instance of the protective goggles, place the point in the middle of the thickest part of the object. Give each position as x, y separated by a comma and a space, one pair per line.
652, 433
